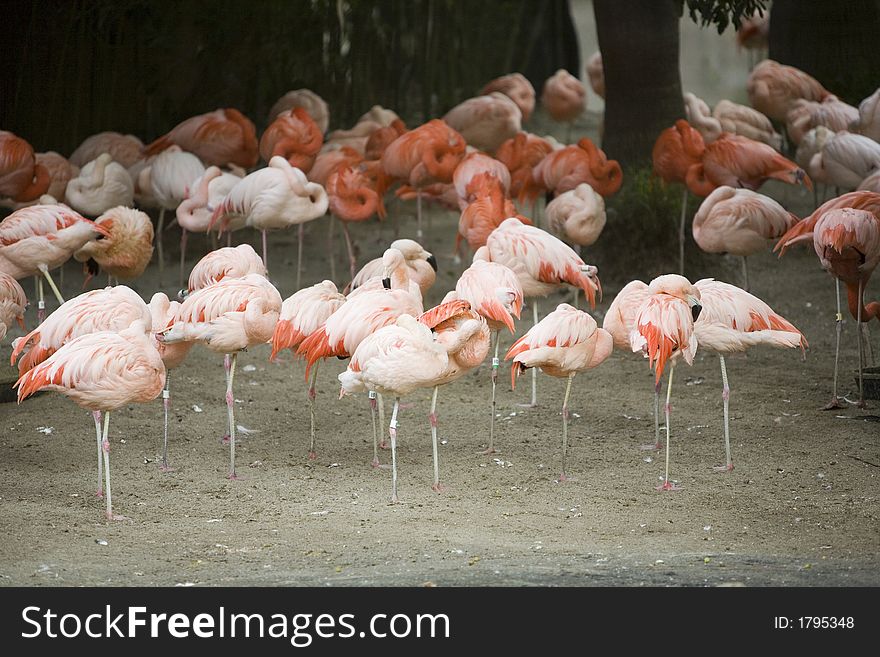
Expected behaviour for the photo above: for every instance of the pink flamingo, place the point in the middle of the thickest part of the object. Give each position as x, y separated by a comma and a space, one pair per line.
566, 168
565, 342
352, 197
22, 179
227, 262
564, 97
12, 303
101, 371
473, 165
126, 250
487, 209
294, 136
494, 292
733, 320
773, 88
487, 121
101, 184
221, 138
663, 329
228, 316
542, 263
516, 87
38, 238
740, 222
596, 74
521, 155
125, 149
831, 113
421, 265
308, 100
302, 314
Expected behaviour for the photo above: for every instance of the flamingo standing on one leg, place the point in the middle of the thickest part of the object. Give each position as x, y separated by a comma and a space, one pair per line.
101, 372
226, 262
565, 98
227, 317
12, 303
301, 315
486, 121
517, 87
351, 198
565, 342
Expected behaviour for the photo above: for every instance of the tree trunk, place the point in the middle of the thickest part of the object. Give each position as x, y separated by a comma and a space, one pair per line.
639, 44
833, 41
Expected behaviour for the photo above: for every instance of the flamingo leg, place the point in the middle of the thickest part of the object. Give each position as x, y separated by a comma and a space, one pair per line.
565, 416
182, 254
392, 432
577, 249
861, 402
265, 251
166, 406
160, 253
381, 404
495, 363
419, 214
436, 487
230, 410
352, 262
869, 351
534, 369
835, 401
666, 485
97, 417
375, 461
228, 238
746, 274
312, 394
105, 444
725, 395
52, 285
656, 444
41, 303
684, 202
300, 233
330, 250
227, 362
61, 275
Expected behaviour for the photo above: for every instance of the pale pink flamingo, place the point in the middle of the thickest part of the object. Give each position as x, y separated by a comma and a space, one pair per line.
732, 320
811, 144
564, 98
495, 293
38, 238
871, 183
542, 263
567, 341
126, 250
474, 164
195, 210
596, 74
663, 329
301, 315
730, 117
222, 137
516, 87
227, 317
331, 159
421, 265
276, 197
125, 149
773, 88
308, 100
564, 169
740, 222
832, 113
424, 155
295, 136
487, 121
577, 215
101, 184
754, 35
101, 371
868, 123
12, 303
847, 241
22, 179
227, 262
845, 160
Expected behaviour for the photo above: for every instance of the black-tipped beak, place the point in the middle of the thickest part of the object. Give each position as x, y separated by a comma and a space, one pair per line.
386, 283
696, 309
92, 267
433, 262
182, 294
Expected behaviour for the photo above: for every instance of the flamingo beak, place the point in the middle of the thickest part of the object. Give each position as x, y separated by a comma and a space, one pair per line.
433, 262
386, 283
696, 309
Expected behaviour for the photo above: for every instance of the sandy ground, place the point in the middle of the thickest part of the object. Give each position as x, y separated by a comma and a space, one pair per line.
800, 507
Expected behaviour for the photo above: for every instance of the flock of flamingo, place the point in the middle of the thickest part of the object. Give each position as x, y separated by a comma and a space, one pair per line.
109, 347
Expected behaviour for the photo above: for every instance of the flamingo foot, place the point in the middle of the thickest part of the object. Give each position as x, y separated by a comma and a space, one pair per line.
164, 467
489, 451
395, 499
833, 404
528, 405
383, 445
116, 517
564, 477
406, 405
225, 439
375, 463
438, 488
667, 486
723, 468
234, 477
313, 455
100, 495
653, 447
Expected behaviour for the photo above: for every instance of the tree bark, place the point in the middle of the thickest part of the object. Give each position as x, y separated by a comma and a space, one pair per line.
639, 44
833, 41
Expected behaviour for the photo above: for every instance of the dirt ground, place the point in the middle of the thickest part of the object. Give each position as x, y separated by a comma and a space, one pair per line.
800, 507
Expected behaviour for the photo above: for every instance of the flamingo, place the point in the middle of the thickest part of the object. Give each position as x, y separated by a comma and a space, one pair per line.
365, 310
516, 87
302, 314
195, 210
845, 160
564, 98
125, 149
733, 320
494, 292
308, 100
754, 34
381, 138
566, 168
811, 144
567, 341
596, 74
773, 88
22, 178
12, 303
421, 265
868, 122
60, 172
474, 164
221, 138
276, 197
485, 122
329, 160
351, 198
228, 316
832, 113
663, 329
227, 262
541, 262
102, 184
730, 117
740, 222
101, 372
294, 136
485, 212
38, 238
429, 153
521, 155
847, 241
577, 215
676, 150
871, 183
126, 250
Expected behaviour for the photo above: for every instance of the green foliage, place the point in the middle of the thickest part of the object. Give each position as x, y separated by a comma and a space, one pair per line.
722, 13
